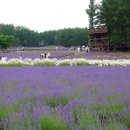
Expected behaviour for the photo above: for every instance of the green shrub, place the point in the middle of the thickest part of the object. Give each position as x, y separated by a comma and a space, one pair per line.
52, 122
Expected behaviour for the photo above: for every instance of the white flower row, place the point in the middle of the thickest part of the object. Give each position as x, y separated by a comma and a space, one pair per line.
65, 62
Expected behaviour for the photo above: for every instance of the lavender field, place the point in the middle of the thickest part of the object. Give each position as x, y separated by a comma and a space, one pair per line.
65, 98
34, 55
102, 55
68, 54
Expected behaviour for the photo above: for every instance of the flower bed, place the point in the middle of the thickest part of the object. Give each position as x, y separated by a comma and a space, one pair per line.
65, 62
65, 98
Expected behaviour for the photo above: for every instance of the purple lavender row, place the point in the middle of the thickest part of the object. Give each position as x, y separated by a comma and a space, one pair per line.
64, 98
34, 55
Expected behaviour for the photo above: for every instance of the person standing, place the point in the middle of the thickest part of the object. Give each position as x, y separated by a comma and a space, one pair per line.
42, 55
87, 49
45, 55
48, 55
20, 57
23, 48
78, 49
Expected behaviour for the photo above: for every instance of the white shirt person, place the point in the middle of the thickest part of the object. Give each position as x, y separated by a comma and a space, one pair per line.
48, 55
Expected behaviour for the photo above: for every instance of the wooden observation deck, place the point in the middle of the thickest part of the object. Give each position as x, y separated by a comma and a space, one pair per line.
99, 38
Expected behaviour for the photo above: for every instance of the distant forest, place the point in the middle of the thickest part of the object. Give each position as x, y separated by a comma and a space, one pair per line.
25, 37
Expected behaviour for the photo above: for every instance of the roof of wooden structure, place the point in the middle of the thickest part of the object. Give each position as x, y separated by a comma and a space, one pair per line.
100, 29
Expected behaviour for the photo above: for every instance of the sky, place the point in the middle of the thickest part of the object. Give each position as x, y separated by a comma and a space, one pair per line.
45, 15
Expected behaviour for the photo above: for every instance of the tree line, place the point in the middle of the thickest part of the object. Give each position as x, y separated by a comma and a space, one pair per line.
115, 14
23, 36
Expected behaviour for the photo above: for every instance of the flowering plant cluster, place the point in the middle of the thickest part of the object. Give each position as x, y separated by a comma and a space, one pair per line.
64, 62
65, 98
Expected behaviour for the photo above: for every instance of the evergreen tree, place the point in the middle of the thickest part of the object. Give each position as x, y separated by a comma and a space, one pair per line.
115, 15
91, 11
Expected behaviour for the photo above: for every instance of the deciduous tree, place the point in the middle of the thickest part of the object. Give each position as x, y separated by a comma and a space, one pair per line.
6, 41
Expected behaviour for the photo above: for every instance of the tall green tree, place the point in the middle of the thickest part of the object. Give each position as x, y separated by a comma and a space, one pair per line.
91, 11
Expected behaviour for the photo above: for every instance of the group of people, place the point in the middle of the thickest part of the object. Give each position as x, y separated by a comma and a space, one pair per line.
45, 55
83, 48
22, 49
42, 55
